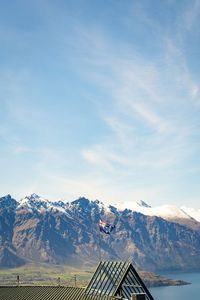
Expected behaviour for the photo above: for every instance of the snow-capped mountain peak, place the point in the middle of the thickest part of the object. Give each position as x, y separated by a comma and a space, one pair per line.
143, 204
168, 212
34, 202
193, 213
33, 198
39, 204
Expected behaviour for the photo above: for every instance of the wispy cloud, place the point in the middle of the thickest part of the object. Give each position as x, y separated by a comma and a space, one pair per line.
150, 124
143, 106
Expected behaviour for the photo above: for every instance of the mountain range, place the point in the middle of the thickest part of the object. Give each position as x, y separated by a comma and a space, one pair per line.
34, 229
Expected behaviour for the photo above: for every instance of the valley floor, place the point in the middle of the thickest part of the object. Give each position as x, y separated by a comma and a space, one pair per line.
43, 274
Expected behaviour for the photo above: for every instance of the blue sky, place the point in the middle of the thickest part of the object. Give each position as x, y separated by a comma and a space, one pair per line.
100, 99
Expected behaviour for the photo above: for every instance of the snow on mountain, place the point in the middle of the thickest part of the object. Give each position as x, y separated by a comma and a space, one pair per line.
143, 204
165, 211
34, 202
134, 206
39, 204
193, 213
168, 212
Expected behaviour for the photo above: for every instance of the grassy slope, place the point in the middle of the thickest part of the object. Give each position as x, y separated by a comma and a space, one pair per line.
45, 275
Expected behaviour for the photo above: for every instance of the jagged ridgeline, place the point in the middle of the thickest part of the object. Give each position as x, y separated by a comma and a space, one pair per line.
37, 230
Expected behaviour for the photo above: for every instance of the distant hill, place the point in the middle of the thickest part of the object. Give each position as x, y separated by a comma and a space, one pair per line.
37, 230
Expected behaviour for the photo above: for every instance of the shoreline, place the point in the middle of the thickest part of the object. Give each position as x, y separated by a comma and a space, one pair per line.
154, 280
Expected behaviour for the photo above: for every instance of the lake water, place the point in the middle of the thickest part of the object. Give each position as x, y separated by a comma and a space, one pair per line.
184, 292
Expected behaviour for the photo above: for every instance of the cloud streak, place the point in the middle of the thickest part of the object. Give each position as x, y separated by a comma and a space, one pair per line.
151, 104
117, 104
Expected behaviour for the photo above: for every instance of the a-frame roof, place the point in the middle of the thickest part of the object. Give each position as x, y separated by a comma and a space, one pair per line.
47, 293
116, 279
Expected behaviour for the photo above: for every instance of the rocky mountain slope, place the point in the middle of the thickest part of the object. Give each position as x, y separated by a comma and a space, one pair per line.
35, 229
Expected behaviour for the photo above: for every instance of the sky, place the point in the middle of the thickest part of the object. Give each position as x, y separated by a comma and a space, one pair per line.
100, 99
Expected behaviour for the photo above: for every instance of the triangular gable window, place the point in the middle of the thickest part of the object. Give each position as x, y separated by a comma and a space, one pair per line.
117, 279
